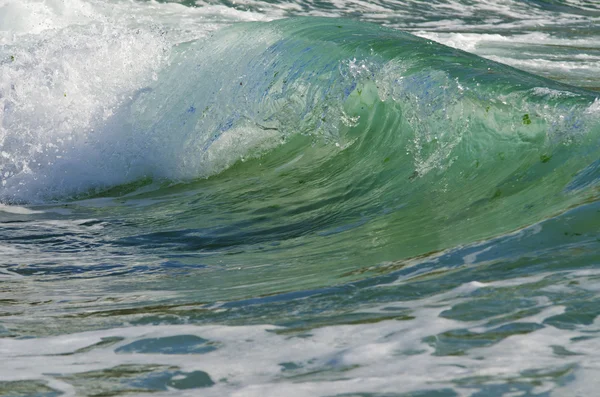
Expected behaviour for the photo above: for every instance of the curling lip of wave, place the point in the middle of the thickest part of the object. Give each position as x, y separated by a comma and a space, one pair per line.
243, 92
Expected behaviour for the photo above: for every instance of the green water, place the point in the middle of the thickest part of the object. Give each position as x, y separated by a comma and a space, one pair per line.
313, 206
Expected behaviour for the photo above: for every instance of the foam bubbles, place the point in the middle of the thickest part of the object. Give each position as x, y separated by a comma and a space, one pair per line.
527, 354
64, 71
34, 17
57, 93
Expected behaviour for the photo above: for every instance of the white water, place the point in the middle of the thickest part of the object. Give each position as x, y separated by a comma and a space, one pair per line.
70, 68
68, 71
385, 357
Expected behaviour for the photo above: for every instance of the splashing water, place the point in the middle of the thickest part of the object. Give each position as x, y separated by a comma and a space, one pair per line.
250, 199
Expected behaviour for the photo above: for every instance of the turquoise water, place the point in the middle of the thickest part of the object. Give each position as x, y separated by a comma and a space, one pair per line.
259, 199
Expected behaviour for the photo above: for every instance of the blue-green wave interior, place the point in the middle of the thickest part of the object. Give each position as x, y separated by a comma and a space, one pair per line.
302, 172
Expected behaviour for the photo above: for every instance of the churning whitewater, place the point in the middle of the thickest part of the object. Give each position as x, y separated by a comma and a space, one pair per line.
387, 198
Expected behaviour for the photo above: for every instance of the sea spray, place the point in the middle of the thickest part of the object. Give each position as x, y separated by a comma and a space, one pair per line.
355, 209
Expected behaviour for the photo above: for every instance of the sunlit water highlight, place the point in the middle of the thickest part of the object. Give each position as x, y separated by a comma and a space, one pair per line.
224, 199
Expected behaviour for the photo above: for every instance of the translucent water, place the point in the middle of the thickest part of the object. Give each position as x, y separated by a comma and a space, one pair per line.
248, 198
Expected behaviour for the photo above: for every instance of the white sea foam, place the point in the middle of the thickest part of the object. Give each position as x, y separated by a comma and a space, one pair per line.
387, 356
68, 69
68, 72
59, 83
594, 107
13, 209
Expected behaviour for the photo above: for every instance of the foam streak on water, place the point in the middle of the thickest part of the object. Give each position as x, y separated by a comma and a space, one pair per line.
213, 198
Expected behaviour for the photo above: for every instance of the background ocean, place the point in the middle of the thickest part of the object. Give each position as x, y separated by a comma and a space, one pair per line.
249, 198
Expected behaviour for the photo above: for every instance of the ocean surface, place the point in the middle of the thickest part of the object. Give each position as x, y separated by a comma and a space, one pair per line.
384, 198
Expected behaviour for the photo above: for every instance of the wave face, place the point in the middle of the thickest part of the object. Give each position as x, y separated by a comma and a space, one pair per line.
366, 120
338, 193
373, 128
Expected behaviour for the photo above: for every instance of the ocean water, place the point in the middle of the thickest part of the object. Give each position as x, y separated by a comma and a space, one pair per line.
300, 198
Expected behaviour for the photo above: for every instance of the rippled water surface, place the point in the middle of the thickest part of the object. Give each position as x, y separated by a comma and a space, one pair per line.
299, 198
